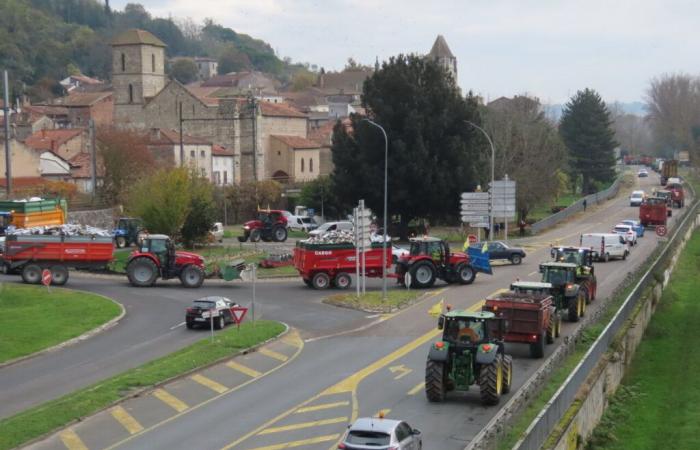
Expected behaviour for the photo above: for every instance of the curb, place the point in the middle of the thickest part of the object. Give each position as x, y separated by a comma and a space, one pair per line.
112, 276
87, 335
392, 310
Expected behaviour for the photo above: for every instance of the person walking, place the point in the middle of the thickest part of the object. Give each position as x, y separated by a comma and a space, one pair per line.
522, 224
585, 204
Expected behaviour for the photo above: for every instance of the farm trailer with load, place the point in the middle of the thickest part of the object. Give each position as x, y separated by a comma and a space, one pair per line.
37, 213
653, 211
669, 170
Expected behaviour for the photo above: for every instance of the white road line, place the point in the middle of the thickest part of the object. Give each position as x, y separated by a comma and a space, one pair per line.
532, 273
176, 326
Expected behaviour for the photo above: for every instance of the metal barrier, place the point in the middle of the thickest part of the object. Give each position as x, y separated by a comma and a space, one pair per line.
543, 425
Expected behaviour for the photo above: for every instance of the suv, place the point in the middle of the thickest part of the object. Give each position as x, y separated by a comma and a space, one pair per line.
370, 432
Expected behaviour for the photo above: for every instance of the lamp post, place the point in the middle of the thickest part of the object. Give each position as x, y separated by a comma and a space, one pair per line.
386, 166
493, 173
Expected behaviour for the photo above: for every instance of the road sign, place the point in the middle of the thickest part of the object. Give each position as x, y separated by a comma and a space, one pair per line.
471, 239
661, 230
475, 196
46, 277
479, 224
475, 218
238, 313
475, 212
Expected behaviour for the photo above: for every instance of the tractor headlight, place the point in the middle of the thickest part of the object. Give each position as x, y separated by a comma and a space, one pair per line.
246, 227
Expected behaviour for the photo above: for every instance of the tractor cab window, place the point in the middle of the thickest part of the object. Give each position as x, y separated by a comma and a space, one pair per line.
464, 331
557, 276
264, 217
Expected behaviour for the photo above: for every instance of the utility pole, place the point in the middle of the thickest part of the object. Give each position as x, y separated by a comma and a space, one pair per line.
182, 144
8, 156
93, 159
255, 139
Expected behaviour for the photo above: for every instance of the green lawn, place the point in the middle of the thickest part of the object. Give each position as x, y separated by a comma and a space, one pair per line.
545, 210
33, 319
45, 418
658, 405
373, 302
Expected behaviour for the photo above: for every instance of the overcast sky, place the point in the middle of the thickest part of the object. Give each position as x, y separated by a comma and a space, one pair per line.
547, 48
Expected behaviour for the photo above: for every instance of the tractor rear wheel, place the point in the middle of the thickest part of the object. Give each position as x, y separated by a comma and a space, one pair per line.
255, 235
537, 348
465, 274
576, 308
31, 274
279, 234
422, 275
435, 381
342, 280
321, 281
491, 381
507, 373
120, 241
142, 272
551, 330
59, 275
557, 329
192, 276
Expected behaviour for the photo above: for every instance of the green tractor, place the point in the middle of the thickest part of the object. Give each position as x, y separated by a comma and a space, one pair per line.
468, 354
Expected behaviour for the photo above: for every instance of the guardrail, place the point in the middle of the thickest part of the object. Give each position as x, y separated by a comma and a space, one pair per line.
543, 425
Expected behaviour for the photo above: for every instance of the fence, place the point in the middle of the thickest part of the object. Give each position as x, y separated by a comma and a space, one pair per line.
591, 199
541, 427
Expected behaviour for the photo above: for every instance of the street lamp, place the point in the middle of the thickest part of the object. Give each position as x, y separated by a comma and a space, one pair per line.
386, 166
493, 174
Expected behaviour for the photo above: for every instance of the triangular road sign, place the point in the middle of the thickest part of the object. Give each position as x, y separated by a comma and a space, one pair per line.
238, 313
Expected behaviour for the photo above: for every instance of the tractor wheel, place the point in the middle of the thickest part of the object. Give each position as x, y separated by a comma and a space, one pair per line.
507, 373
255, 235
491, 381
142, 272
192, 276
342, 280
516, 259
575, 308
31, 274
422, 275
243, 238
537, 348
435, 381
557, 331
551, 330
321, 281
120, 241
59, 275
279, 234
465, 274
586, 293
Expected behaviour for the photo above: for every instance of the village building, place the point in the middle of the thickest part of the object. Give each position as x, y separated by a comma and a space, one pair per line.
85, 106
222, 165
298, 159
165, 146
206, 67
441, 54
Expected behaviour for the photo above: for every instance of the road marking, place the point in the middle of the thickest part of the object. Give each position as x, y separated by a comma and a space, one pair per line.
383, 412
321, 407
208, 382
417, 388
293, 339
243, 369
401, 369
170, 400
293, 444
126, 420
532, 273
273, 354
177, 326
71, 440
303, 425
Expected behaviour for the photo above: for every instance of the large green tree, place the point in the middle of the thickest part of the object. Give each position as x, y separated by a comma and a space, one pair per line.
184, 70
586, 128
433, 154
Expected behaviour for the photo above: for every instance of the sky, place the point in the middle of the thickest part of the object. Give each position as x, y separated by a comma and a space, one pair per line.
546, 48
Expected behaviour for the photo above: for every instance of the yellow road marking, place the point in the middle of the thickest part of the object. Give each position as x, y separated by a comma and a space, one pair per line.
208, 382
71, 440
273, 354
243, 369
293, 339
126, 420
293, 444
170, 400
302, 425
383, 412
321, 407
417, 388
401, 369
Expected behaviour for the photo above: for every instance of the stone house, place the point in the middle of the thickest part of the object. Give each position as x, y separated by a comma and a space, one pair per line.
206, 67
64, 142
298, 159
83, 106
76, 82
222, 165
165, 146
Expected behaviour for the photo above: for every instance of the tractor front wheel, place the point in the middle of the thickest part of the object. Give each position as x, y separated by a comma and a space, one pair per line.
491, 381
279, 234
255, 235
465, 274
507, 373
576, 308
435, 381
142, 272
192, 276
422, 275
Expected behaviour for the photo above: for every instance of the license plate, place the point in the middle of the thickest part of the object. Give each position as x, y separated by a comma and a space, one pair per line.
199, 319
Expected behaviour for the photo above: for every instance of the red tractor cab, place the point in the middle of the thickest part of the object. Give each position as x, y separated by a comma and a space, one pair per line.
156, 257
268, 225
430, 258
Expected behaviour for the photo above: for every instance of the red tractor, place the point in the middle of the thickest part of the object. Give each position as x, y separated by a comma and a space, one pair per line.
429, 259
156, 257
268, 225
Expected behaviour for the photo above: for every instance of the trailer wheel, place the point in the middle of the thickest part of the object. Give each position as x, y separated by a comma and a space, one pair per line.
491, 381
255, 235
537, 348
435, 381
342, 280
422, 275
507, 373
142, 272
120, 241
321, 281
59, 275
31, 274
465, 274
192, 276
279, 234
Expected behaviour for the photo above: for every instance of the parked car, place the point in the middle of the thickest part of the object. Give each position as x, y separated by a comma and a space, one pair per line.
217, 232
380, 433
605, 245
200, 313
501, 250
637, 198
642, 173
300, 223
627, 232
332, 226
636, 226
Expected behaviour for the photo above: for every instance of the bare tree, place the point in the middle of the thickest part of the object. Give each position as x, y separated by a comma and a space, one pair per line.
632, 132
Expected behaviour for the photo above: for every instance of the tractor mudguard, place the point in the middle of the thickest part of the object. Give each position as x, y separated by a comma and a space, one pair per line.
439, 354
486, 353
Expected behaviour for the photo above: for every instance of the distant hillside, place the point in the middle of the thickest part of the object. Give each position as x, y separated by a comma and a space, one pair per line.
43, 41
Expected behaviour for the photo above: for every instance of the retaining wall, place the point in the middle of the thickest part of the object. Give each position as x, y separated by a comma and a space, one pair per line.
100, 218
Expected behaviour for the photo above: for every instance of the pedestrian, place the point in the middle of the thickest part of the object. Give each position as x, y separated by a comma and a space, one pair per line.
585, 204
522, 226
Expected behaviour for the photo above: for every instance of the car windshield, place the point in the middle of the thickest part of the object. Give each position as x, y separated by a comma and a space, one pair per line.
373, 438
621, 229
637, 195
204, 304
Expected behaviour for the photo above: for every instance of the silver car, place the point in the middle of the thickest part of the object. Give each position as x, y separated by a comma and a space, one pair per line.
381, 434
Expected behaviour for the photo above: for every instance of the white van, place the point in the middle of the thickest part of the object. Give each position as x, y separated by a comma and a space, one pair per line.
605, 245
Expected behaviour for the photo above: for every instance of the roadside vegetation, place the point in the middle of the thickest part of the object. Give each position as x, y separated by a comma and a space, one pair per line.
373, 302
34, 319
45, 418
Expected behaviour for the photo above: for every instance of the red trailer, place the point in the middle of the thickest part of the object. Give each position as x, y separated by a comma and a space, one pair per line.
321, 265
31, 254
529, 319
677, 194
653, 211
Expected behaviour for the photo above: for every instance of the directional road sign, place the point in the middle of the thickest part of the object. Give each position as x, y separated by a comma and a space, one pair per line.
475, 196
479, 224
475, 218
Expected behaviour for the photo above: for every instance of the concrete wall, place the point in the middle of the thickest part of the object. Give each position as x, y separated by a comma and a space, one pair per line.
25, 161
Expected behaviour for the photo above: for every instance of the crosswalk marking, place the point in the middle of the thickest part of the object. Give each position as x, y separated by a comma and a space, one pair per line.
243, 369
126, 420
71, 440
273, 354
170, 400
208, 382
321, 407
302, 425
303, 442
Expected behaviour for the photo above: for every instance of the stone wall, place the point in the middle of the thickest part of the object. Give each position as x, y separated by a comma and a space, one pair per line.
100, 218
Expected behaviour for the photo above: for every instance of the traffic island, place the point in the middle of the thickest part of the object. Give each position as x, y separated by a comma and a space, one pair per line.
372, 302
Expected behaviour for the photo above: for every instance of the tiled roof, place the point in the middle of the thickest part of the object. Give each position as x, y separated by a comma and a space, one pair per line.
18, 182
82, 98
80, 166
47, 110
52, 139
440, 49
323, 134
279, 110
218, 150
164, 136
296, 142
203, 93
134, 36
349, 81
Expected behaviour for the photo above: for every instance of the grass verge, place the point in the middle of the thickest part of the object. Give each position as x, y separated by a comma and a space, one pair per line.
372, 301
34, 319
658, 403
45, 418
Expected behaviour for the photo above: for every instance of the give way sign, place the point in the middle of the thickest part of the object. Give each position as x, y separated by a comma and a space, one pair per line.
238, 313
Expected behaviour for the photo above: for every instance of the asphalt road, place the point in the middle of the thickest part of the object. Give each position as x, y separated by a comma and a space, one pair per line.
380, 367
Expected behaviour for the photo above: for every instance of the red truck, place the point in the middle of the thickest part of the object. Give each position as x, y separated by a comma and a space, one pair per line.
653, 211
31, 254
530, 319
677, 194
